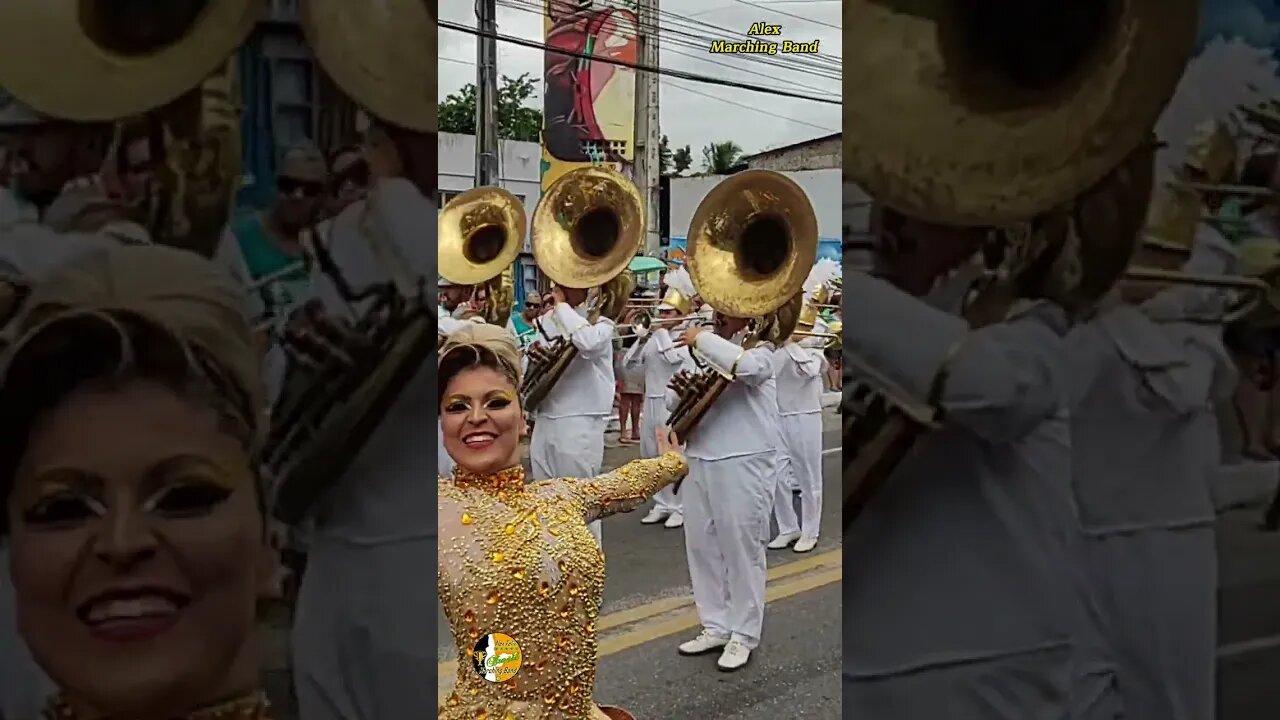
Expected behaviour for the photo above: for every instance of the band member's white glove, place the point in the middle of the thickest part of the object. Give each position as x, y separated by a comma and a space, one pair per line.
640, 330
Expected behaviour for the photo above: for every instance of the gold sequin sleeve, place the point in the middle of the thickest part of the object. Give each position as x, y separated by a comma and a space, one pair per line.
627, 487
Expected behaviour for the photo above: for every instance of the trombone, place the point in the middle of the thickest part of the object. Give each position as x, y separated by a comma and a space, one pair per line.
648, 320
833, 339
1254, 290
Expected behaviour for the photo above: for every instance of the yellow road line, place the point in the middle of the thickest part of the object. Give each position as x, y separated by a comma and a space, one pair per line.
826, 566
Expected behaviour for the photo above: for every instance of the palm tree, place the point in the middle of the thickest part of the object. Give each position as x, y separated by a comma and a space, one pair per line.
721, 158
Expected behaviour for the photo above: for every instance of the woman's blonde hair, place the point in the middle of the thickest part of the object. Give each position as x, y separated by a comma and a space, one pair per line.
478, 345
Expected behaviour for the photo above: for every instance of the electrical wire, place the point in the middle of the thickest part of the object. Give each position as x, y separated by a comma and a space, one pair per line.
694, 77
696, 34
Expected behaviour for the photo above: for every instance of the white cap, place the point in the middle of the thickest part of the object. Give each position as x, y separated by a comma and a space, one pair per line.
444, 283
15, 113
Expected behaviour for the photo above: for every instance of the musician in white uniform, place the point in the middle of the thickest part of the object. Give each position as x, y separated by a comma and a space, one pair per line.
568, 435
363, 609
798, 367
661, 359
728, 496
1147, 373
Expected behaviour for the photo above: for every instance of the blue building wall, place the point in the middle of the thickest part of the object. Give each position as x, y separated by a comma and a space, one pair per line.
257, 133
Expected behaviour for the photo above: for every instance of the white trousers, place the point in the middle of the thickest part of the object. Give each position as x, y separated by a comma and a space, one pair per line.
24, 688
653, 416
800, 466
444, 463
569, 447
359, 640
1157, 590
726, 525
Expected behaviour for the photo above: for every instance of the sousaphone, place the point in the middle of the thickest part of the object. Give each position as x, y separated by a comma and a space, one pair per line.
380, 52
103, 60
1028, 117
984, 113
480, 233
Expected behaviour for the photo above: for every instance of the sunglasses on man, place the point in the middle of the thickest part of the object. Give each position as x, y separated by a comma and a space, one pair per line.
289, 186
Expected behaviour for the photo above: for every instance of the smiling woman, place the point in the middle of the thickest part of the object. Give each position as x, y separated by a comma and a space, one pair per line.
129, 413
521, 577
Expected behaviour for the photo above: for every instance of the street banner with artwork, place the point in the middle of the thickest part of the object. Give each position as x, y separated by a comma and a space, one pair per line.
589, 105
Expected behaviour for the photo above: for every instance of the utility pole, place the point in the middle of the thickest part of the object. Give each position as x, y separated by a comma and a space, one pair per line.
648, 133
487, 94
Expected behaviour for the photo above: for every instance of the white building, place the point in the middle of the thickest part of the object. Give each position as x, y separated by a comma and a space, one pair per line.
518, 172
824, 188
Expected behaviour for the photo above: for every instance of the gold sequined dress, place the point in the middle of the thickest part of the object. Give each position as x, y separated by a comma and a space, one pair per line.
518, 560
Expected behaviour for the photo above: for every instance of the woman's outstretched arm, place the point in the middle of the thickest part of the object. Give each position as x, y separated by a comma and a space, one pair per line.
626, 488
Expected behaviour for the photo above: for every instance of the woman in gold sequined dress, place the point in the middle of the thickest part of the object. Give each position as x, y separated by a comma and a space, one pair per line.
129, 414
521, 576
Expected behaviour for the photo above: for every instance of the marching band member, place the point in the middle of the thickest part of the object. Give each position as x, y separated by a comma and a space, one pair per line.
967, 571
454, 298
1147, 373
661, 359
568, 435
728, 497
358, 653
798, 367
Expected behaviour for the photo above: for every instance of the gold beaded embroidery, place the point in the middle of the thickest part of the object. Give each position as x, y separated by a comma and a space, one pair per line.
252, 707
519, 560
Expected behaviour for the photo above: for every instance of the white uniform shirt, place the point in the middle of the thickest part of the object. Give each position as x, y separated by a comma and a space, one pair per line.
381, 496
660, 360
744, 419
798, 371
968, 553
586, 388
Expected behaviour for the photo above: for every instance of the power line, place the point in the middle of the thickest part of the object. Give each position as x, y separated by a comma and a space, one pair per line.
779, 12
709, 96
752, 108
676, 29
642, 68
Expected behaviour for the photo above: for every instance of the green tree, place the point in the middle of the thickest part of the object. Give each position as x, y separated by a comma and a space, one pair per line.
664, 156
516, 121
720, 158
682, 159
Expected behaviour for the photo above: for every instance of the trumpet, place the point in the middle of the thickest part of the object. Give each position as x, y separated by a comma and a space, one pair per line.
648, 320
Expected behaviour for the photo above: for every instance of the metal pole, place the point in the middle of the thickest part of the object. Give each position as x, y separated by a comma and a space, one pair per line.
648, 163
487, 94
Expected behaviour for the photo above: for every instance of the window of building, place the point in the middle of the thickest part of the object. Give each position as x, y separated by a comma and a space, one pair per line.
294, 85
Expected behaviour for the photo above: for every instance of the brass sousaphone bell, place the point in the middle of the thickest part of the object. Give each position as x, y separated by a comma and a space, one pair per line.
380, 52
481, 232
586, 229
989, 115
103, 60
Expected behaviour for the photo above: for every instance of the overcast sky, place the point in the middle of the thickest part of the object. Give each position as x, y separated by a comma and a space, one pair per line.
693, 113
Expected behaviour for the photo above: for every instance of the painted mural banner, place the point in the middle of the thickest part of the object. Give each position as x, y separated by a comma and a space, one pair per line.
1236, 62
589, 105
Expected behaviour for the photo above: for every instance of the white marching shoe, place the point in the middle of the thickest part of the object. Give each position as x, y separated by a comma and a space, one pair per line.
704, 643
783, 540
655, 516
676, 520
735, 656
805, 544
